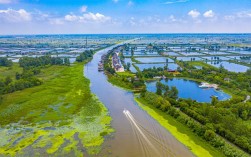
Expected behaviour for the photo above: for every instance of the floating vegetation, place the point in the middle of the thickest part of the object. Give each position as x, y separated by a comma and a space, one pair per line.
57, 118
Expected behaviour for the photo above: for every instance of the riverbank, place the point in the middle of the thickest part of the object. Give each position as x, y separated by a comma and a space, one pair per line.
180, 132
59, 117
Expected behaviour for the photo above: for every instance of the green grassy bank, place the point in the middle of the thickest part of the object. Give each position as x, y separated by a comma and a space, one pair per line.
183, 134
59, 117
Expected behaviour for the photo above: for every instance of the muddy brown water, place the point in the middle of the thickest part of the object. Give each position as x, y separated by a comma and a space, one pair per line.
136, 133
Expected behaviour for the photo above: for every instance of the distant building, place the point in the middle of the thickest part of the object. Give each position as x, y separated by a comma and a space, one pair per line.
116, 64
227, 79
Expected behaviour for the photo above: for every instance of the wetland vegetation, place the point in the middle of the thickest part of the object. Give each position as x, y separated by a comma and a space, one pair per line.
47, 107
60, 116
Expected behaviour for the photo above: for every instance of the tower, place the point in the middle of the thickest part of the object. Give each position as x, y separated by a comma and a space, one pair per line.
86, 42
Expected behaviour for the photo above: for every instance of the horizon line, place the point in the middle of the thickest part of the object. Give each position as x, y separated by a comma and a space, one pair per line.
228, 33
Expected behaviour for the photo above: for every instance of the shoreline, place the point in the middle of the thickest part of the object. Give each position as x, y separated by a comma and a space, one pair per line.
188, 138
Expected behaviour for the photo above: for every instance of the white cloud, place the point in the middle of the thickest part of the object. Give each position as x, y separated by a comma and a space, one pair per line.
71, 17
91, 17
5, 1
130, 3
172, 18
115, 1
238, 15
11, 15
209, 14
39, 15
132, 21
88, 17
194, 13
83, 8
244, 14
177, 1
56, 21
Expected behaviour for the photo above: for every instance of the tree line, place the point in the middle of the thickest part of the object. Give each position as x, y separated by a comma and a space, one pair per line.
31, 68
202, 126
226, 118
88, 54
26, 79
5, 62
27, 62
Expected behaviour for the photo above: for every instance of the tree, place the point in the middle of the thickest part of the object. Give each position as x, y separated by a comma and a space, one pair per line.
143, 92
67, 61
209, 135
214, 100
221, 68
166, 88
132, 52
18, 76
8, 80
173, 92
159, 88
244, 115
5, 62
128, 65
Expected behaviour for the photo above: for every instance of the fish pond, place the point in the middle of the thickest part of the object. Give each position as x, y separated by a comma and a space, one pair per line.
171, 66
190, 89
154, 59
229, 66
189, 58
129, 60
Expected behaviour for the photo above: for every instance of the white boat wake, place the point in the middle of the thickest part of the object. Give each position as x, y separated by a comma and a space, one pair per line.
146, 144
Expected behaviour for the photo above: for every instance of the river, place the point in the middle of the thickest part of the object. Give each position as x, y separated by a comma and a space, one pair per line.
136, 133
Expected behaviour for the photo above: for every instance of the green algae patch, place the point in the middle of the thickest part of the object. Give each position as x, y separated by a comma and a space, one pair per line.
60, 117
180, 132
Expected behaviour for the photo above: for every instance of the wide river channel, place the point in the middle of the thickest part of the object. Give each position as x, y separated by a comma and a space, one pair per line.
136, 133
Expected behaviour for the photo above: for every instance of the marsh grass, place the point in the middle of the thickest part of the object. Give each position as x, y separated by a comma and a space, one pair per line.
63, 103
10, 71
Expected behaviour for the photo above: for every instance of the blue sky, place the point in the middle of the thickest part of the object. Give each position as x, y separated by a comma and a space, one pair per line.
124, 16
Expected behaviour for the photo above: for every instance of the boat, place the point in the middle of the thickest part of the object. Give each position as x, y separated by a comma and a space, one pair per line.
100, 69
207, 85
204, 85
214, 96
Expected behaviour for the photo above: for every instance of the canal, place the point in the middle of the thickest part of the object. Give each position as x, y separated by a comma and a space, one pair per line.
136, 133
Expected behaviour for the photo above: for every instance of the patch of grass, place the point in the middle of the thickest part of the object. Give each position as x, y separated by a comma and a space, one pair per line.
198, 146
137, 68
135, 60
202, 64
120, 83
10, 71
126, 73
64, 104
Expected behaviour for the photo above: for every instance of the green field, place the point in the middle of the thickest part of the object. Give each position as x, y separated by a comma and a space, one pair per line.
202, 64
126, 73
117, 81
197, 146
61, 116
10, 71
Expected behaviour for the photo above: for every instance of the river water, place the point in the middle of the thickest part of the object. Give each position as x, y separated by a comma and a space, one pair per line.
136, 133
